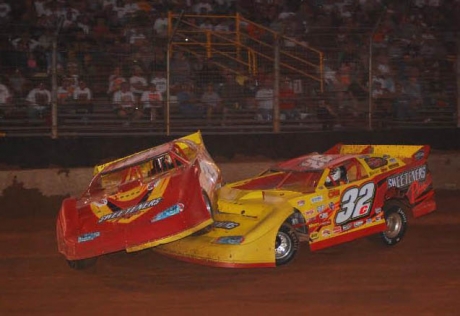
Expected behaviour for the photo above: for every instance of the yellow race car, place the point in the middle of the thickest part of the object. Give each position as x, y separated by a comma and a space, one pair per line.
348, 192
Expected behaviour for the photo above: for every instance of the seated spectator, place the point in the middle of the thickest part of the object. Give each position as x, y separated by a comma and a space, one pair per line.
38, 101
5, 10
5, 101
231, 92
138, 83
152, 102
287, 102
115, 81
160, 26
159, 80
264, 101
125, 103
189, 105
83, 98
65, 91
212, 101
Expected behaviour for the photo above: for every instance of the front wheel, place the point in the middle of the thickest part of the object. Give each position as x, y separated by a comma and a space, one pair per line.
286, 244
82, 263
396, 221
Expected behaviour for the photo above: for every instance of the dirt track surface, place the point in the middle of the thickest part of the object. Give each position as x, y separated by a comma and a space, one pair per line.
419, 276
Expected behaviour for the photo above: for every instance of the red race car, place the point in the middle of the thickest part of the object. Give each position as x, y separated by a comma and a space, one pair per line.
149, 198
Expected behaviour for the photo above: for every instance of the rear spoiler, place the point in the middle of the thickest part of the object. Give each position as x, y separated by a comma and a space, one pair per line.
416, 152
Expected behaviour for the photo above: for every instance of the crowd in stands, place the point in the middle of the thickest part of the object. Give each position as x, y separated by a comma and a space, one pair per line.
115, 51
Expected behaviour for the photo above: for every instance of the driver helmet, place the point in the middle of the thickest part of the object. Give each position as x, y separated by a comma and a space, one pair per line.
334, 176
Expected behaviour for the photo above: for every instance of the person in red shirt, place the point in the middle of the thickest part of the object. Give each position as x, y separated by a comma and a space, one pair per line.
287, 101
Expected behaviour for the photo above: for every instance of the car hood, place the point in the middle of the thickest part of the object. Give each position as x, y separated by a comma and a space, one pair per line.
253, 203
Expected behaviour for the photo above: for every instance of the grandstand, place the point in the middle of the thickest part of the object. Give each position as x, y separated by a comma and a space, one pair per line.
275, 66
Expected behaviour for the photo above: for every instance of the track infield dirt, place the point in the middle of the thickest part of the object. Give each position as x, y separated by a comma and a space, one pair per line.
419, 276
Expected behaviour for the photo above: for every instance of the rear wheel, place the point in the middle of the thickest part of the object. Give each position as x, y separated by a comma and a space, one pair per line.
396, 220
286, 244
82, 263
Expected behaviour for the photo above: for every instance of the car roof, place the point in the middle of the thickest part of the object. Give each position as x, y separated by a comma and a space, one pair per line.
139, 157
312, 162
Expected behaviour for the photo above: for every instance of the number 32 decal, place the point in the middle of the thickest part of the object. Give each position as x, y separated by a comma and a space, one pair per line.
355, 203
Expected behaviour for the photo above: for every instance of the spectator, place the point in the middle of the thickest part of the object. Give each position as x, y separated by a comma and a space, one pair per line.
212, 101
189, 105
160, 26
264, 101
38, 101
287, 102
115, 81
83, 98
160, 82
231, 92
65, 92
152, 101
138, 83
5, 10
5, 101
402, 106
181, 69
125, 103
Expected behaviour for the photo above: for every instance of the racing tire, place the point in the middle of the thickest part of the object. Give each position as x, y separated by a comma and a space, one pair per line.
396, 220
82, 263
286, 244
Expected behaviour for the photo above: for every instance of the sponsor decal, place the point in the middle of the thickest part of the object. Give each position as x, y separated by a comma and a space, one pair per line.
315, 161
392, 160
378, 218
358, 223
171, 211
369, 220
419, 155
375, 162
346, 227
310, 212
226, 225
326, 223
331, 206
88, 236
131, 210
393, 165
323, 215
337, 230
404, 179
378, 210
317, 199
333, 193
301, 203
314, 236
326, 233
320, 208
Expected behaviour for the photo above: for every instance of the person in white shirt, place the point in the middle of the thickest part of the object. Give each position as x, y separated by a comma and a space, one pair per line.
160, 81
160, 26
125, 103
38, 100
264, 102
152, 102
138, 83
83, 97
5, 10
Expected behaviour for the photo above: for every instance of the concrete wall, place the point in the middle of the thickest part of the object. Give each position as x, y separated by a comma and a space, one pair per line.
445, 168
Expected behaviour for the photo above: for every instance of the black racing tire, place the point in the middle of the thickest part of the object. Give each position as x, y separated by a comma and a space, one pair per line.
396, 220
82, 263
286, 244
